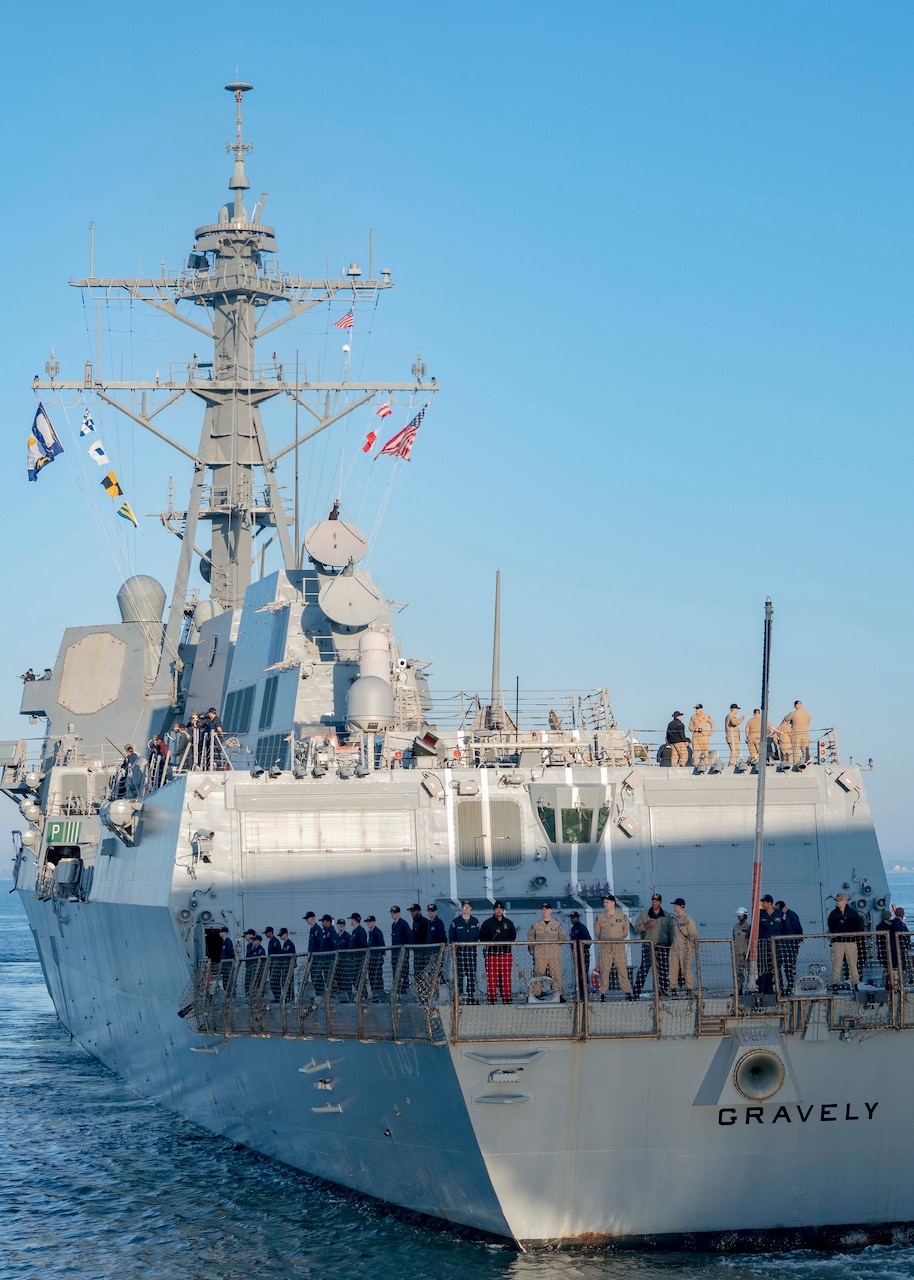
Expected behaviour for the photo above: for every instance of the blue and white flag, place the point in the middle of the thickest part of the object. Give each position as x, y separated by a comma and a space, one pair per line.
88, 425
97, 451
43, 443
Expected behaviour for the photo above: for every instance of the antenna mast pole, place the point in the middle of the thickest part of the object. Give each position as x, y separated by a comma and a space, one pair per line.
496, 643
760, 801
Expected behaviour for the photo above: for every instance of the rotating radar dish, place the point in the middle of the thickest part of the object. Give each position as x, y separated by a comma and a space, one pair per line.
350, 602
335, 542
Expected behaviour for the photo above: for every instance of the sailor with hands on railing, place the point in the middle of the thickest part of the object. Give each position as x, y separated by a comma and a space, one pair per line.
797, 722
612, 929
656, 926
400, 937
464, 933
227, 954
770, 926
545, 934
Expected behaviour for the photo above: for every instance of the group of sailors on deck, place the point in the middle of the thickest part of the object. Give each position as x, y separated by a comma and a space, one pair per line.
789, 742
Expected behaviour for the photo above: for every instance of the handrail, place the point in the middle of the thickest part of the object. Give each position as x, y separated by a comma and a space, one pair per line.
570, 990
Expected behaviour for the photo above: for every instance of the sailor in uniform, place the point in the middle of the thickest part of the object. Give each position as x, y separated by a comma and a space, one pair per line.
685, 942
546, 934
612, 928
701, 726
731, 726
464, 932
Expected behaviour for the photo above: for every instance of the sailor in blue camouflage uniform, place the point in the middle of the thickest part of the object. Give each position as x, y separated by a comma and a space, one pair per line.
579, 934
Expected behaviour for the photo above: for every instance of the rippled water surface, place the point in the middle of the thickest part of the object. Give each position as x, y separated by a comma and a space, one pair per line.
98, 1185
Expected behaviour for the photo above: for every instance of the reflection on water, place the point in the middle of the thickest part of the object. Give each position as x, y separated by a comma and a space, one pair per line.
98, 1185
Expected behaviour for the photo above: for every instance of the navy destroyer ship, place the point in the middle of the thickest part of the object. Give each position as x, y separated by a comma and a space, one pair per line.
495, 1086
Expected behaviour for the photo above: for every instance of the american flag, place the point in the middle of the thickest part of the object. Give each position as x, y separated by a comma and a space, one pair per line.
400, 444
346, 321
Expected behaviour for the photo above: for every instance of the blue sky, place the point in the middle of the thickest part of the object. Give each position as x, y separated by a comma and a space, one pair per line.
658, 256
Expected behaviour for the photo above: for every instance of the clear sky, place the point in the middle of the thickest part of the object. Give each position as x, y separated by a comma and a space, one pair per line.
658, 255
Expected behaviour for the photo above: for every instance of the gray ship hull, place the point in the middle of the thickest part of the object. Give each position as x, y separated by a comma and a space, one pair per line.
613, 1142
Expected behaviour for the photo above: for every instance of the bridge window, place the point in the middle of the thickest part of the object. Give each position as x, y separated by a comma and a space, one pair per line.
576, 825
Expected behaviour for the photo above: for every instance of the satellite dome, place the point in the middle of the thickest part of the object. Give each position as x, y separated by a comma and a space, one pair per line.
141, 599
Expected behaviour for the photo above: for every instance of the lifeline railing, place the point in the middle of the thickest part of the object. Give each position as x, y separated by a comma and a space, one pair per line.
565, 991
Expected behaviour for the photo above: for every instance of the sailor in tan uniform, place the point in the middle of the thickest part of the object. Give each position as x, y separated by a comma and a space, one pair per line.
682, 952
546, 934
785, 742
701, 726
731, 725
754, 734
798, 720
611, 929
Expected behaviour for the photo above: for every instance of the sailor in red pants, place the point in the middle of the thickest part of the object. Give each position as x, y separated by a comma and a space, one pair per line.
499, 960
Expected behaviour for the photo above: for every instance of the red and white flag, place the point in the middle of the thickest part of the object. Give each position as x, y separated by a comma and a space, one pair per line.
398, 446
385, 410
369, 441
346, 321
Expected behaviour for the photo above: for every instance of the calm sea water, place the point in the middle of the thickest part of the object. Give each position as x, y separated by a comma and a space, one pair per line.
99, 1185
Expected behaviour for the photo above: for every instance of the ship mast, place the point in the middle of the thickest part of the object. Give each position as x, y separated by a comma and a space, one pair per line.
227, 275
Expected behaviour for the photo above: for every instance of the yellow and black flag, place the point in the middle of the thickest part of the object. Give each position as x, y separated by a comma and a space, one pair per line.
111, 486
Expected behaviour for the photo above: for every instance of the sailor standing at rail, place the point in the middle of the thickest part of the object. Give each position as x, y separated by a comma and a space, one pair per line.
731, 725
754, 735
287, 947
375, 962
655, 927
580, 937
701, 726
274, 948
741, 931
845, 925
463, 934
685, 943
798, 723
498, 929
399, 940
678, 742
227, 955
546, 934
612, 928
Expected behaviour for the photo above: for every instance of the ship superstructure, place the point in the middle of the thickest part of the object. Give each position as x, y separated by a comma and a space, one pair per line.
341, 784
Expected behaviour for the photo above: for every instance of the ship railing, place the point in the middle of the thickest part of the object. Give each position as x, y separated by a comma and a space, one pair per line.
565, 991
389, 993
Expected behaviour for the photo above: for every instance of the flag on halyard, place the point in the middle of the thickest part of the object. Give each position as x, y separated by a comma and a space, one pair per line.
43, 443
345, 322
127, 512
97, 451
111, 486
385, 410
399, 445
369, 441
88, 424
